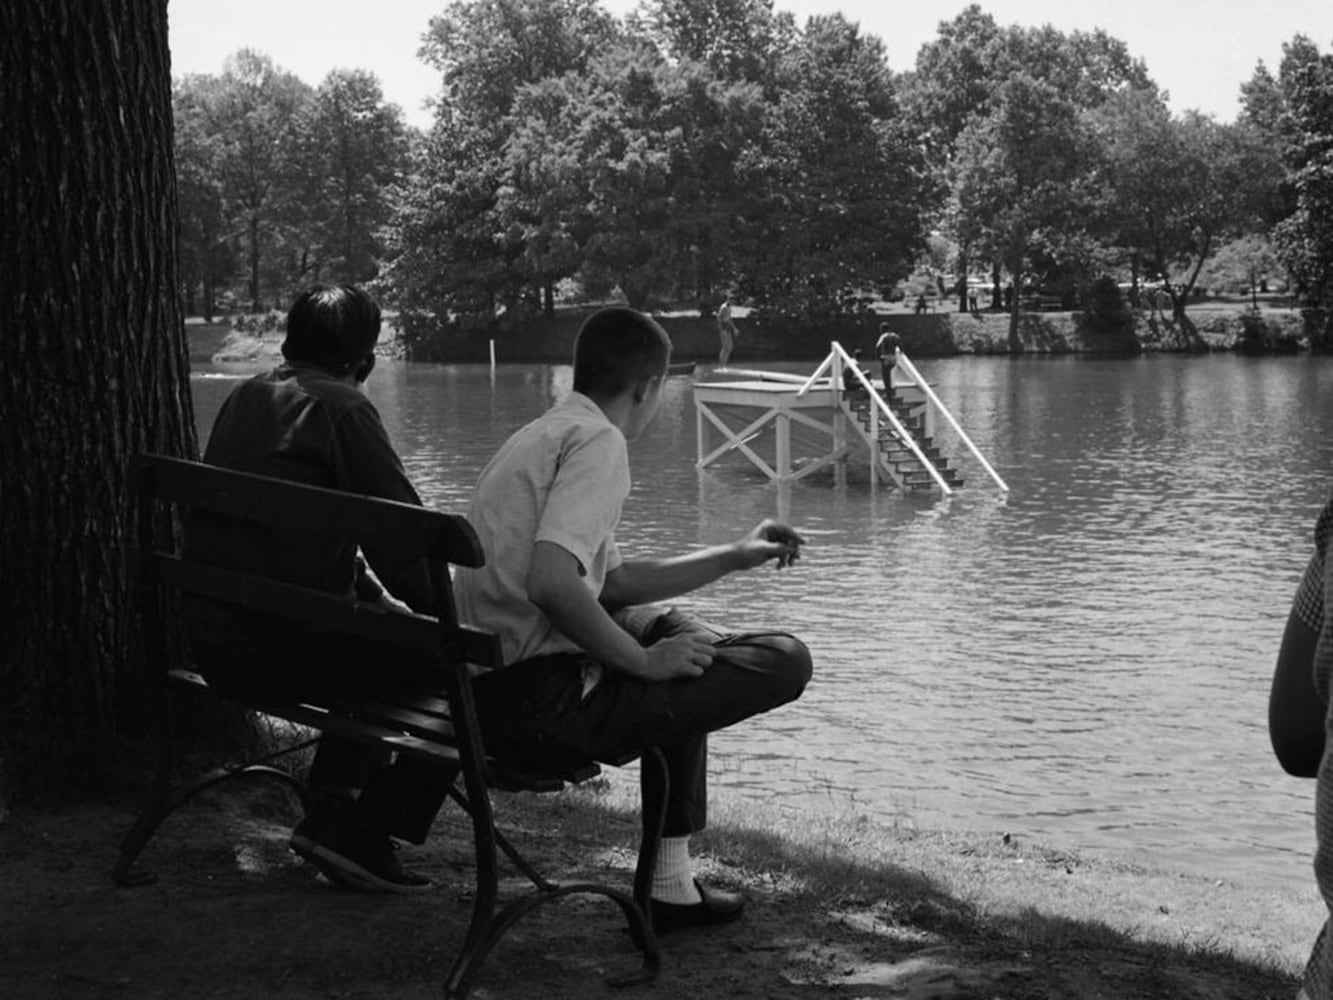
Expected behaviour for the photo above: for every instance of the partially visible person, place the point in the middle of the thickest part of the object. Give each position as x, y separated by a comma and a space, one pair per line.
1298, 719
309, 421
887, 350
594, 669
851, 385
726, 331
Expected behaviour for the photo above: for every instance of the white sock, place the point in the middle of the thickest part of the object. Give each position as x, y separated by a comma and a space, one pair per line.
673, 878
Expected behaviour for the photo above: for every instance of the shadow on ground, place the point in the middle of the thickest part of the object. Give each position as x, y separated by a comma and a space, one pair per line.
234, 914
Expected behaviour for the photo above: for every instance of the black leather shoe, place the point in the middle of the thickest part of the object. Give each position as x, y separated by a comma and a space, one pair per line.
717, 908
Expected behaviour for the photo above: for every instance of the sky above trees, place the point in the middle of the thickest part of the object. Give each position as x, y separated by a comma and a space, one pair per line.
1201, 51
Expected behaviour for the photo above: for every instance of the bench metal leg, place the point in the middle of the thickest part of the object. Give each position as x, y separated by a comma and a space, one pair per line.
654, 820
162, 804
486, 926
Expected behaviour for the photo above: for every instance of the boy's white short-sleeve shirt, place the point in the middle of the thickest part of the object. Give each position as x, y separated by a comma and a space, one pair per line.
561, 479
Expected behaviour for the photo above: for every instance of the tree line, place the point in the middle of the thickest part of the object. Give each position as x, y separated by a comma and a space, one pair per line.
699, 148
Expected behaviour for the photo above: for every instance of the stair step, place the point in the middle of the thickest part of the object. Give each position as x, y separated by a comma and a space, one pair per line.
906, 458
930, 451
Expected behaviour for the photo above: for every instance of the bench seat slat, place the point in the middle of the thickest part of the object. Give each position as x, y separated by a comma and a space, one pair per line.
431, 727
419, 732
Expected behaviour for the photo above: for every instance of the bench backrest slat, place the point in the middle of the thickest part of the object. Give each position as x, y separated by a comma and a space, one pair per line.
367, 520
331, 612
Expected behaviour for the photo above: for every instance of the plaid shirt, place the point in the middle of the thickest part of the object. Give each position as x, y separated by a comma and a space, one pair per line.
1311, 597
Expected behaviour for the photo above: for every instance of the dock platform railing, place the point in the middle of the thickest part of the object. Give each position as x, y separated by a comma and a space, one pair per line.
905, 363
839, 360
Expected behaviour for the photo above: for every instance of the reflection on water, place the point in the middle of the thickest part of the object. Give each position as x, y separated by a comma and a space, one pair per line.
1085, 659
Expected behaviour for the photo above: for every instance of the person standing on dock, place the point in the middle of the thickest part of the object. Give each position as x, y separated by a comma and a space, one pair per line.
887, 349
726, 331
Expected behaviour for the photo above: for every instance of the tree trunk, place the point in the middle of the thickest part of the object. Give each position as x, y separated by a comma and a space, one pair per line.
95, 362
253, 228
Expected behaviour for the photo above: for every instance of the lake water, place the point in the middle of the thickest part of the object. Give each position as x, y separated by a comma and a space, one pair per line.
1084, 660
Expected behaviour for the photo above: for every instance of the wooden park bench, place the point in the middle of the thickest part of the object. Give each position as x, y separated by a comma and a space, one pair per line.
437, 726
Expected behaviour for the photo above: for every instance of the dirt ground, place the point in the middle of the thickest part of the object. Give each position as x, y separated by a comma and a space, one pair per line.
234, 914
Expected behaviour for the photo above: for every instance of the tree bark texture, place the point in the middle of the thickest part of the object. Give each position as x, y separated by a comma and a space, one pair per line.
95, 366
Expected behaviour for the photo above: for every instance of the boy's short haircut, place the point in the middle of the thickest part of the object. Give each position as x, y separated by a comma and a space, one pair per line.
616, 348
333, 326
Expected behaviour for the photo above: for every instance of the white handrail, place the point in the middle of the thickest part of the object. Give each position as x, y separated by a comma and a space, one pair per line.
848, 361
902, 360
823, 367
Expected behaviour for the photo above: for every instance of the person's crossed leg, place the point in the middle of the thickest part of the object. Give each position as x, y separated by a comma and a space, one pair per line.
537, 710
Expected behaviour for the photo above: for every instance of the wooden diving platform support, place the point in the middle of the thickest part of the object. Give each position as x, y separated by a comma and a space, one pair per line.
762, 415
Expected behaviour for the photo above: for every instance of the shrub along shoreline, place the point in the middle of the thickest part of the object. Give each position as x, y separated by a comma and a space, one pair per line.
1231, 327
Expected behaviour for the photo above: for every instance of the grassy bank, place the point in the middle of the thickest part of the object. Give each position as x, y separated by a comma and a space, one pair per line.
840, 906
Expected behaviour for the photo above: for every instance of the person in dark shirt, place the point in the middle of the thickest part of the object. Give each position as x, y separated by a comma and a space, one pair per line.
851, 385
887, 349
309, 421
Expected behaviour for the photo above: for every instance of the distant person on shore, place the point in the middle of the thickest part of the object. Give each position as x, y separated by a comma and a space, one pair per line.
726, 332
1297, 721
593, 669
887, 350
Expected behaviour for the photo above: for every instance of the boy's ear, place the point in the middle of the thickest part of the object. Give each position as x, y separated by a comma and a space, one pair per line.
643, 387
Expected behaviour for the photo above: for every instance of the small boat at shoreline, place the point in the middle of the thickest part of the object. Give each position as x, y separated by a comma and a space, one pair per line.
681, 368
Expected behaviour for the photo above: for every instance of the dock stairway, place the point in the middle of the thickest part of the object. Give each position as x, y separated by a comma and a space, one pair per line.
897, 459
896, 423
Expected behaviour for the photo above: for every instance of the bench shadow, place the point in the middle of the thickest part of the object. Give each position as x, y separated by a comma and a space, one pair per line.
234, 913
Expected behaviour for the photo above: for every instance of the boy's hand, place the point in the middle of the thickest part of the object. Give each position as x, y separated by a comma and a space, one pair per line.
770, 540
678, 656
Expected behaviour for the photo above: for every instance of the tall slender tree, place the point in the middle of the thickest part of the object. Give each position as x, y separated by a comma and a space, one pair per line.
258, 122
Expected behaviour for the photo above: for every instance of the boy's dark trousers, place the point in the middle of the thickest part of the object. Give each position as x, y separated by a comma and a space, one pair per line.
536, 709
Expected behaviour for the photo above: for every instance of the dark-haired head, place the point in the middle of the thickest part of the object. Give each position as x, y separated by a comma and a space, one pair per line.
616, 349
333, 327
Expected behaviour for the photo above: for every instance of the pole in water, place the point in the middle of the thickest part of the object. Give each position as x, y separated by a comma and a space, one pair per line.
492, 358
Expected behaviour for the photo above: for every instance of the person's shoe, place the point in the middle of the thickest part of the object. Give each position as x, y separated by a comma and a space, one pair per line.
353, 857
716, 908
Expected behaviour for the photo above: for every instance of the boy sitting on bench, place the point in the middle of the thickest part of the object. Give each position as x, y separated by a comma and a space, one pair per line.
578, 682
309, 421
